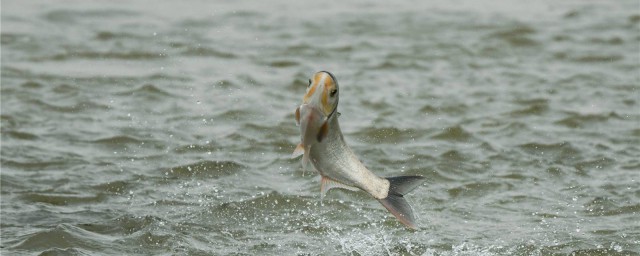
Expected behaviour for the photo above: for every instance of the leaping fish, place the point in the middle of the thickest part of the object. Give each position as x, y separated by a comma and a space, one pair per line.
323, 148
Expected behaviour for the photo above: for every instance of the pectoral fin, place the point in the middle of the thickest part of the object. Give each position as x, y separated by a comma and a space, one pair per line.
298, 116
298, 151
326, 184
324, 130
306, 163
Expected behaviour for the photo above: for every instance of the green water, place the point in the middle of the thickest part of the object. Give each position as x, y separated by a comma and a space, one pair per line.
146, 128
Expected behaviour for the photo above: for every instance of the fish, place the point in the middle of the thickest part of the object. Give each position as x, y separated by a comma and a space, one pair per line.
323, 149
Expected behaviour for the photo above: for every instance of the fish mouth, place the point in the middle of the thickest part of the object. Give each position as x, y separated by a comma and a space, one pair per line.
312, 109
318, 110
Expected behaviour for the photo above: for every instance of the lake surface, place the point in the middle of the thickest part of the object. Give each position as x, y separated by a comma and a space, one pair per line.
145, 128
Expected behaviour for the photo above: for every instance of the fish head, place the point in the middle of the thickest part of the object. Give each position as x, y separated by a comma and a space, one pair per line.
322, 93
319, 104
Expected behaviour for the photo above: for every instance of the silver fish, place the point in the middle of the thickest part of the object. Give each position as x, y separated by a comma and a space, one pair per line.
324, 149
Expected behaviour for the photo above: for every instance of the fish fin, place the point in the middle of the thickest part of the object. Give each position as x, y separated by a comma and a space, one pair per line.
326, 184
306, 163
298, 116
395, 202
324, 129
298, 151
339, 114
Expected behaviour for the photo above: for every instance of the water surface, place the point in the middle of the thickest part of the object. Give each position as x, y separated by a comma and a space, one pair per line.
166, 128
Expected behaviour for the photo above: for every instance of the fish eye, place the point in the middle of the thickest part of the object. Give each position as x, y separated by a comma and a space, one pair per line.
309, 83
333, 92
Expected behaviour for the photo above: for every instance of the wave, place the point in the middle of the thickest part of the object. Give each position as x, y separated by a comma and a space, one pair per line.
576, 120
64, 236
454, 133
518, 35
478, 189
95, 55
115, 187
603, 206
556, 150
387, 135
74, 16
202, 51
196, 148
535, 109
20, 135
62, 199
118, 140
207, 169
80, 106
36, 165
147, 91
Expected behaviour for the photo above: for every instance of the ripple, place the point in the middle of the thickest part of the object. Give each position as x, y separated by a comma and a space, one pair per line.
74, 16
477, 189
283, 63
603, 206
533, 109
387, 135
430, 109
14, 38
603, 252
80, 106
599, 163
130, 224
197, 148
561, 149
147, 91
254, 209
453, 155
577, 120
34, 165
208, 169
20, 135
238, 115
116, 187
118, 140
66, 89
62, 252
518, 35
201, 51
62, 199
591, 58
31, 85
454, 133
108, 35
64, 236
92, 55
149, 239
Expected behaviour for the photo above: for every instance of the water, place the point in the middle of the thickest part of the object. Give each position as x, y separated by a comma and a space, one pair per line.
166, 128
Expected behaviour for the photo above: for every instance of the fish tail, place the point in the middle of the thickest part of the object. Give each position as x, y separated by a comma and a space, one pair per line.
395, 202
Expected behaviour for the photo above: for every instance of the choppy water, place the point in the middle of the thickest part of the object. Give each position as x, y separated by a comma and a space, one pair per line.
166, 128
